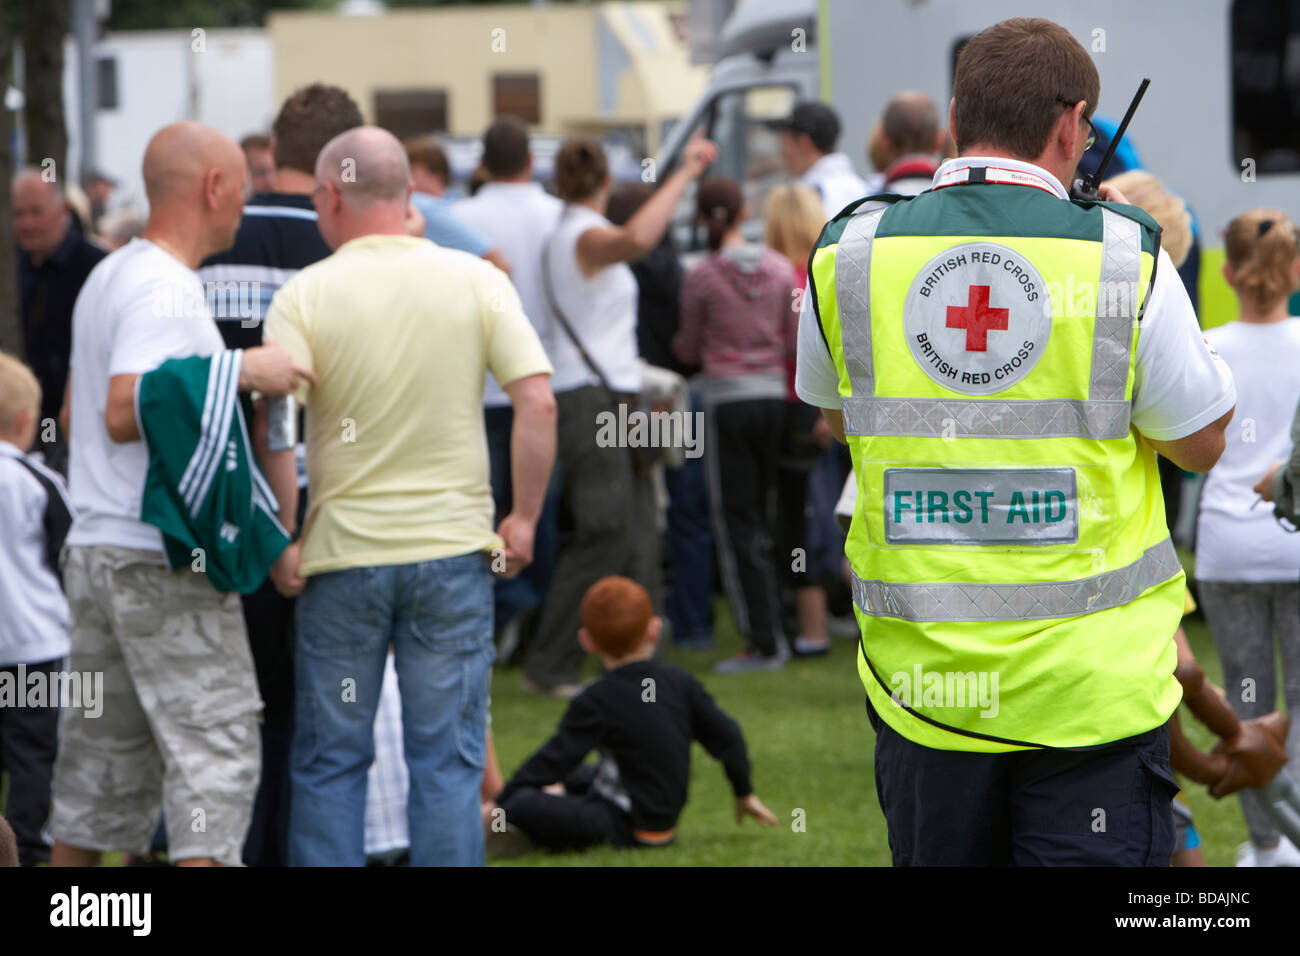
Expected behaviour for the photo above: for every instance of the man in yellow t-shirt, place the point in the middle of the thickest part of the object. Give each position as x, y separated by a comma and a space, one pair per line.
397, 545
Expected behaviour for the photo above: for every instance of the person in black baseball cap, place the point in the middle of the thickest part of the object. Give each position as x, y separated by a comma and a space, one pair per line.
808, 138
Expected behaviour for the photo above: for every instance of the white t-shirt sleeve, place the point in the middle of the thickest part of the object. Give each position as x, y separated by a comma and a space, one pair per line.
815, 378
163, 319
1181, 384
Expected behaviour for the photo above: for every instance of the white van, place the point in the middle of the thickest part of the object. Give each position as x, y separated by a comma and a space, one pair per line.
1220, 123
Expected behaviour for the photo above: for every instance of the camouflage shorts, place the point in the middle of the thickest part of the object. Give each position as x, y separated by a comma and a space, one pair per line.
179, 724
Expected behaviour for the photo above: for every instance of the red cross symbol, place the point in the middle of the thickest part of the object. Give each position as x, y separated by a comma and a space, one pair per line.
977, 318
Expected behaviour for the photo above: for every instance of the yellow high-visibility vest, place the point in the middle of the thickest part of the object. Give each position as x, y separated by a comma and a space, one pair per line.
1013, 576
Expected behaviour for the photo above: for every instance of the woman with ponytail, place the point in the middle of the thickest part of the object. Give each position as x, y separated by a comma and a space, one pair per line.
739, 321
1247, 565
590, 335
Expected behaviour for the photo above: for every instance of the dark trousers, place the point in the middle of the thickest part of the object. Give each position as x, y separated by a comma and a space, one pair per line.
575, 821
28, 742
690, 551
742, 476
799, 453
599, 492
1107, 807
526, 591
269, 619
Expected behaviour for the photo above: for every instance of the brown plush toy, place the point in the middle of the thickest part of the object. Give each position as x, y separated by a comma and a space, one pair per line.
1249, 752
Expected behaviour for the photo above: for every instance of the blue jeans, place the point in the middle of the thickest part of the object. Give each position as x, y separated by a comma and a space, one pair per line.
438, 617
825, 547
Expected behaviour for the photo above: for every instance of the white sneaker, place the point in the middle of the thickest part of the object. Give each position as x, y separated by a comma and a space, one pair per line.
803, 647
1287, 854
1246, 854
1284, 854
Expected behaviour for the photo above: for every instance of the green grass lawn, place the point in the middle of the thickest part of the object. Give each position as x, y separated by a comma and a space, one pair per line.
811, 749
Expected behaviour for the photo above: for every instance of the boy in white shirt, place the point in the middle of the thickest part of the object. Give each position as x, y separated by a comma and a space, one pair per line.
35, 516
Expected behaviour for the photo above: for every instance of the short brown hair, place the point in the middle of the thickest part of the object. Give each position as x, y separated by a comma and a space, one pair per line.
505, 147
911, 123
426, 151
309, 119
580, 169
1261, 247
625, 199
255, 141
1014, 79
616, 612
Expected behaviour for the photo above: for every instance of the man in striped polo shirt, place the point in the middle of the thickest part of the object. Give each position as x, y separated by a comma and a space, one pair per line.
277, 237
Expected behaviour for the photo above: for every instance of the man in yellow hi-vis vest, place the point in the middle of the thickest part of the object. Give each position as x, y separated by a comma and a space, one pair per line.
1004, 364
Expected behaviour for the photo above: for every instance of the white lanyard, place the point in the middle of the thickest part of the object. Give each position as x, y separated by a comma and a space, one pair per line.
994, 174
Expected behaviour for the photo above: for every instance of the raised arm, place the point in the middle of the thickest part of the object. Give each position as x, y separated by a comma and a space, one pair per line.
607, 245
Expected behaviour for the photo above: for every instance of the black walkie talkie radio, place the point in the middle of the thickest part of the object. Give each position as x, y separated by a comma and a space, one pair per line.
1086, 189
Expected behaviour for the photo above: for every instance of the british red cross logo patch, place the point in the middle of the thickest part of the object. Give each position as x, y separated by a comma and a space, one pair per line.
977, 318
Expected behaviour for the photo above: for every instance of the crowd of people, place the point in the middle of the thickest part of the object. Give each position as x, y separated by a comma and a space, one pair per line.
448, 504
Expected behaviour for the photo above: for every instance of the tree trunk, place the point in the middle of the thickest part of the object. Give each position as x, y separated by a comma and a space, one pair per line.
45, 24
11, 334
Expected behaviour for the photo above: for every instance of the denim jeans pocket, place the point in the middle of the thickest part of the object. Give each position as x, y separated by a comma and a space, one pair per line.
451, 604
339, 611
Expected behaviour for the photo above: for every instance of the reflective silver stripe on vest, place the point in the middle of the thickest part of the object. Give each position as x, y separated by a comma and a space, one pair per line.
852, 292
1117, 295
1103, 415
949, 602
984, 418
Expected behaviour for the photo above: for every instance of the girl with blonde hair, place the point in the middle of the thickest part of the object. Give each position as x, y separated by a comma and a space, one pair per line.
1146, 192
1247, 566
793, 219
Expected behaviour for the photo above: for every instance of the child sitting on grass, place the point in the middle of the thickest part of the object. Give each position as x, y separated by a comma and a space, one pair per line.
641, 716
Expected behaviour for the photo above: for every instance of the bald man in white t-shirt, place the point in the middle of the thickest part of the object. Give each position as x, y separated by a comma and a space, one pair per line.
178, 729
